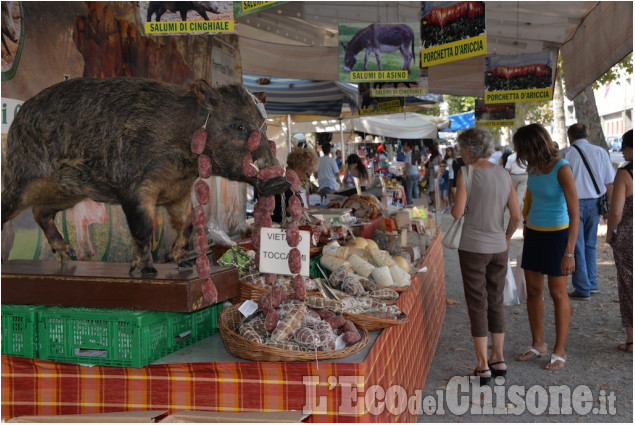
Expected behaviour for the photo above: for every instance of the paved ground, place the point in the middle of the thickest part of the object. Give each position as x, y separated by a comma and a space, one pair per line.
594, 362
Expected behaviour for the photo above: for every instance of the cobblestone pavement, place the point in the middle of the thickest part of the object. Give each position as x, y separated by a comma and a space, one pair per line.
593, 359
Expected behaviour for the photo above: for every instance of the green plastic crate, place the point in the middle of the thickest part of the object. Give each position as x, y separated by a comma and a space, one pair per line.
188, 328
19, 329
108, 337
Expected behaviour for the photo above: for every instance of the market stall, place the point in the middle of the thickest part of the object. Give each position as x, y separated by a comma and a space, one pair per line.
399, 356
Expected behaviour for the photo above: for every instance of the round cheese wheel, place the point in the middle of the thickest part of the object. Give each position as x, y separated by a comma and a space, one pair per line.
370, 244
402, 262
357, 243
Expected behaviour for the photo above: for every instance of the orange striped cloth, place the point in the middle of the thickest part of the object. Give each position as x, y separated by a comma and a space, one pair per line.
400, 356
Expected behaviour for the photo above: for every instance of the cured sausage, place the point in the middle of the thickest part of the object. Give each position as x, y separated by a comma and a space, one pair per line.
210, 293
352, 337
293, 178
270, 172
509, 72
295, 261
200, 242
295, 208
336, 321
307, 337
293, 234
299, 288
253, 141
203, 268
276, 295
198, 218
198, 141
289, 324
204, 166
202, 192
248, 169
267, 203
271, 321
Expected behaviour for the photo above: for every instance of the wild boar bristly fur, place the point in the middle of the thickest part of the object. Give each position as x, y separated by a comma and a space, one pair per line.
125, 141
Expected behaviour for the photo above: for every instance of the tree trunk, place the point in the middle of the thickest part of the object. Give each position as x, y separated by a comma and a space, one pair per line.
586, 112
560, 130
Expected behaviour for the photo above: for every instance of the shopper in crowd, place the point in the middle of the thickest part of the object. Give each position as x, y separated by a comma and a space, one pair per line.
495, 157
584, 278
356, 168
449, 159
327, 172
444, 187
338, 158
507, 151
432, 166
518, 170
619, 234
551, 229
411, 172
304, 162
484, 246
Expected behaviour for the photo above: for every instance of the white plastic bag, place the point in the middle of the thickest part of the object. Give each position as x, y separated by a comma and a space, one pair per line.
519, 275
510, 293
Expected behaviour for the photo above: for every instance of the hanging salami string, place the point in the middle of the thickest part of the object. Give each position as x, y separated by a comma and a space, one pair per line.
199, 219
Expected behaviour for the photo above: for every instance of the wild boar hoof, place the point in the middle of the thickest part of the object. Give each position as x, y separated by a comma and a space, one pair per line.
148, 270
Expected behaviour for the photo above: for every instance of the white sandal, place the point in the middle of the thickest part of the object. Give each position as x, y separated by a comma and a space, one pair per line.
556, 358
536, 353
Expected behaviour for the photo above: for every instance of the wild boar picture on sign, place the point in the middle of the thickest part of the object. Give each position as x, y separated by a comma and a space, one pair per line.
378, 52
187, 17
451, 30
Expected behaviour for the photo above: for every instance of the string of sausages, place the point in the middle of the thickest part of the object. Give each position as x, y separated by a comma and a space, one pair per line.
509, 72
199, 219
441, 16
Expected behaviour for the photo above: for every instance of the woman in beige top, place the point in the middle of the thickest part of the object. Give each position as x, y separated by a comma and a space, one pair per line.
484, 246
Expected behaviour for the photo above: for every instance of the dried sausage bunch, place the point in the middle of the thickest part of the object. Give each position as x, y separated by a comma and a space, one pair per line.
294, 325
199, 220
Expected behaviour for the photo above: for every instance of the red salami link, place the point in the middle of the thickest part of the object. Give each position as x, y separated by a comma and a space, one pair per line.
255, 238
293, 178
267, 203
349, 326
210, 293
271, 321
295, 261
204, 166
327, 336
248, 169
270, 278
352, 337
200, 242
198, 141
264, 303
198, 218
272, 146
276, 296
509, 72
325, 314
311, 319
293, 234
253, 141
295, 208
441, 16
336, 321
202, 192
299, 287
270, 172
203, 268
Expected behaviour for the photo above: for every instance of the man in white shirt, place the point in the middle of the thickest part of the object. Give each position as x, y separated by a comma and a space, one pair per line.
584, 277
495, 158
327, 172
518, 172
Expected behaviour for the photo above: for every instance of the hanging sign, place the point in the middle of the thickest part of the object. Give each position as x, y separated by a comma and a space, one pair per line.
274, 251
386, 53
242, 8
501, 115
187, 17
451, 31
520, 78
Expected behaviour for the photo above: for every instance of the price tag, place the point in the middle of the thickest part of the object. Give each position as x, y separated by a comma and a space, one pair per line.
274, 251
248, 308
339, 342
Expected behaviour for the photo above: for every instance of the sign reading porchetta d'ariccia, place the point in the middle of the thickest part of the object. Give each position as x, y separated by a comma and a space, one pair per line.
451, 31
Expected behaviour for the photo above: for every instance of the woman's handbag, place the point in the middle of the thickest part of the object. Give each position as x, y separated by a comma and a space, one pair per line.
510, 293
452, 237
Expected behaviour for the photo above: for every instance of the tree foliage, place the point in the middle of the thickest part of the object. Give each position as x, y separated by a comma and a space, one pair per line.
459, 104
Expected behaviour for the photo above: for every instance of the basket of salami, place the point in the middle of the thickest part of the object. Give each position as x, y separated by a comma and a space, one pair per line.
291, 332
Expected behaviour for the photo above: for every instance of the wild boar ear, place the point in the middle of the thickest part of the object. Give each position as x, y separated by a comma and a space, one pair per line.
261, 96
207, 97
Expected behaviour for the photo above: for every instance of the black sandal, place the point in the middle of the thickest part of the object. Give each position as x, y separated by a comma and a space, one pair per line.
498, 372
484, 379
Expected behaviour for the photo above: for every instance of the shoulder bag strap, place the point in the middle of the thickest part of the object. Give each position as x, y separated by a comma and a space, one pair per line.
586, 164
467, 179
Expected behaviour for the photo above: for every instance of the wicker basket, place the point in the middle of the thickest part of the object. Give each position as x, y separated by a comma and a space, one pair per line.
248, 291
373, 323
230, 318
399, 289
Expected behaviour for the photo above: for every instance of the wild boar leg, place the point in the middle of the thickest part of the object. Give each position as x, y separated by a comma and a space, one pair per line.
180, 213
45, 217
140, 217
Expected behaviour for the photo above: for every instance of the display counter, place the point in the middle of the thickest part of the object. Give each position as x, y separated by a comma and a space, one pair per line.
347, 390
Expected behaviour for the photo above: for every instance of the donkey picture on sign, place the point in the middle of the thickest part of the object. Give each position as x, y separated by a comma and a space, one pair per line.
378, 38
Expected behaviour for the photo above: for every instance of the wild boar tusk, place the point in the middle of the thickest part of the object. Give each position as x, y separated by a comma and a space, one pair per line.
255, 166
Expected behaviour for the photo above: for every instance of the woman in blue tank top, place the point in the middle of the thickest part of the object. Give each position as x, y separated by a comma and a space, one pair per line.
551, 218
